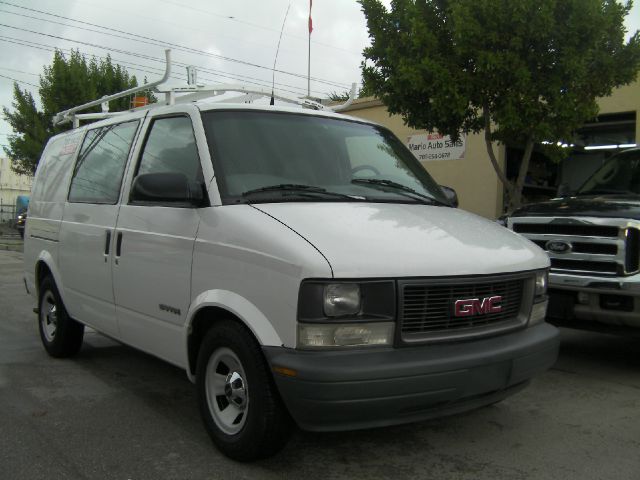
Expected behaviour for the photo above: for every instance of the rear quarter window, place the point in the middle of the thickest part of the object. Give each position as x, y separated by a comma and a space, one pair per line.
98, 173
55, 167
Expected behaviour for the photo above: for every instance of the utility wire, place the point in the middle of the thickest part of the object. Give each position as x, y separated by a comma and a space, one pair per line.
151, 41
142, 68
255, 25
18, 71
240, 77
225, 17
19, 81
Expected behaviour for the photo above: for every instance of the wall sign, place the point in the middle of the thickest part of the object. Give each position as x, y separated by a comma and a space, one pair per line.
434, 146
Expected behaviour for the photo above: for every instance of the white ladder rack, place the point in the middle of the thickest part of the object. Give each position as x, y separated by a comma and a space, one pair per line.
191, 92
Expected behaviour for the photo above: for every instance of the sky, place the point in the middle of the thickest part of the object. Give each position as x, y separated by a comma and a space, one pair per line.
245, 32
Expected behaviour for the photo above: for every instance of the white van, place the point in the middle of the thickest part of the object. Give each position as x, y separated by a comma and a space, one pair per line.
300, 265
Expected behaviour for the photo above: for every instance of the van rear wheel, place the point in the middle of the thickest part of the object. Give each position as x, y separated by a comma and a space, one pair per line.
239, 403
61, 335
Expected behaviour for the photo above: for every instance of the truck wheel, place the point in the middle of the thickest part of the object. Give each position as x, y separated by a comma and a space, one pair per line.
239, 403
60, 334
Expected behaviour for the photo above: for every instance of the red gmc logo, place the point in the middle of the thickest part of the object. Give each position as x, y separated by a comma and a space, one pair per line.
476, 306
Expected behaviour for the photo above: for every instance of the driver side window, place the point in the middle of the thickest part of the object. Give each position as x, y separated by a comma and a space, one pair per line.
171, 148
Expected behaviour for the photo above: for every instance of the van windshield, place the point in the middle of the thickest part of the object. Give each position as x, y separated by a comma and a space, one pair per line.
264, 157
619, 175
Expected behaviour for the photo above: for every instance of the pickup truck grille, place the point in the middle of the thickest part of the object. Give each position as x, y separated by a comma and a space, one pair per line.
427, 308
584, 246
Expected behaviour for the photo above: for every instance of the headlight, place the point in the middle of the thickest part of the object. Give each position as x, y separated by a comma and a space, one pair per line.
333, 313
540, 302
542, 280
341, 299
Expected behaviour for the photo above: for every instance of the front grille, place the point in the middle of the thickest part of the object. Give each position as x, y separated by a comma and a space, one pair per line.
594, 247
427, 309
565, 229
579, 247
584, 266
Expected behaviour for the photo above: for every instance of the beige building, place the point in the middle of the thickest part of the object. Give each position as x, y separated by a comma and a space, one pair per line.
11, 185
474, 178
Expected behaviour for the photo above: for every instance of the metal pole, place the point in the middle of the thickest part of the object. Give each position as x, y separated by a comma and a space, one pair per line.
309, 69
309, 56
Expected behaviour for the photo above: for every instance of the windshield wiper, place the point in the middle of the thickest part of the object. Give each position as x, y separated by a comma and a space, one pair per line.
301, 190
403, 189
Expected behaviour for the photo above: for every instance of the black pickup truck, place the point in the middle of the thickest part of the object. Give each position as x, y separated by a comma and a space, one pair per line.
593, 239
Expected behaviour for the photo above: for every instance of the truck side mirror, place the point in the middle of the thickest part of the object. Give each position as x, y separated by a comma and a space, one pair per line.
165, 188
451, 195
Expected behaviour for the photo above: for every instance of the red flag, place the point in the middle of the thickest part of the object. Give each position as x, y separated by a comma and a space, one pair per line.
310, 21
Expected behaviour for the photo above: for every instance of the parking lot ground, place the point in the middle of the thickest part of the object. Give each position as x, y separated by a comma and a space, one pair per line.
115, 413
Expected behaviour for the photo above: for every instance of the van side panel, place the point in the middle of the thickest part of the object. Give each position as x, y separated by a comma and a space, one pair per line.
46, 207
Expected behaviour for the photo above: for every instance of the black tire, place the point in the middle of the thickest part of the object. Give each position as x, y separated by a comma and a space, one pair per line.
60, 334
263, 426
21, 234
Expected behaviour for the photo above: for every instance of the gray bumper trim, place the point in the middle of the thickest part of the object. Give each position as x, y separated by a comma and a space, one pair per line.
346, 390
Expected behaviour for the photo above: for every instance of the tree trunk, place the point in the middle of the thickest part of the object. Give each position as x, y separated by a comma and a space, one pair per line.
509, 187
513, 191
516, 200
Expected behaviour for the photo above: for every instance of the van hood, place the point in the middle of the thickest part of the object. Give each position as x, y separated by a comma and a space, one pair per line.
402, 240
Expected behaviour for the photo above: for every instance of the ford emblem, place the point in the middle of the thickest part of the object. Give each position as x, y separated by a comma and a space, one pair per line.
558, 246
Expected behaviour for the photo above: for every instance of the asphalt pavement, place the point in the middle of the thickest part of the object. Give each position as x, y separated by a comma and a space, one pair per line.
115, 413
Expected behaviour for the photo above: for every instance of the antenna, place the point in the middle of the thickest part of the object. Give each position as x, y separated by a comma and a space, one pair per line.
273, 76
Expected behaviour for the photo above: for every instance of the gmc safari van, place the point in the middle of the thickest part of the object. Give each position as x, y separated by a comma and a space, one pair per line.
300, 265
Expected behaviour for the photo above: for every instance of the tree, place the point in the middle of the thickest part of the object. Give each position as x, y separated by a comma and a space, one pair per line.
523, 71
67, 82
344, 95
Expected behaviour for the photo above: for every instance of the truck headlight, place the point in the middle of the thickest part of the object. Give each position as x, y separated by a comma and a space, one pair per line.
334, 313
540, 301
341, 299
542, 280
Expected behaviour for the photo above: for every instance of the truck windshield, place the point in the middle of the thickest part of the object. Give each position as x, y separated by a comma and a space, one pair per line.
620, 174
264, 157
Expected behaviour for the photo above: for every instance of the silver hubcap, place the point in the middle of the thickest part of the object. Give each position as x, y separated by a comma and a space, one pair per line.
226, 389
49, 316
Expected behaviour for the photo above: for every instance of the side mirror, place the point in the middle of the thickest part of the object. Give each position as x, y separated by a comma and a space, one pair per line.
172, 189
564, 190
451, 195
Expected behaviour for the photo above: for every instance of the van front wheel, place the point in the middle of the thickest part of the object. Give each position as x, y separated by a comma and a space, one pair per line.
60, 334
238, 400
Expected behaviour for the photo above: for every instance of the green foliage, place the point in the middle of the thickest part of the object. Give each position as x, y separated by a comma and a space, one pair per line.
32, 126
525, 71
344, 96
67, 82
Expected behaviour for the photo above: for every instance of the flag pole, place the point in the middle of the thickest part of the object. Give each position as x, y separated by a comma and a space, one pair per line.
309, 56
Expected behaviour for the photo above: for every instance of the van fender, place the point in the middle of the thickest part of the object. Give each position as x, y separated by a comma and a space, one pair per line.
239, 306
47, 258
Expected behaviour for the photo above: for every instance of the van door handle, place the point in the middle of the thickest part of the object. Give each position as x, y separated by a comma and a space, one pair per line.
107, 245
119, 244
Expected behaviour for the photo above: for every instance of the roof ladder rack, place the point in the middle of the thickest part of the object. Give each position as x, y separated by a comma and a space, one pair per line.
191, 92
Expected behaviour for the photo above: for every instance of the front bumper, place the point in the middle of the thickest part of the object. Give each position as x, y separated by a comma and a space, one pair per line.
348, 390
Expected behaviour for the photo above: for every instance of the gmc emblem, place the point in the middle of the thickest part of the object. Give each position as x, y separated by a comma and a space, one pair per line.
476, 306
